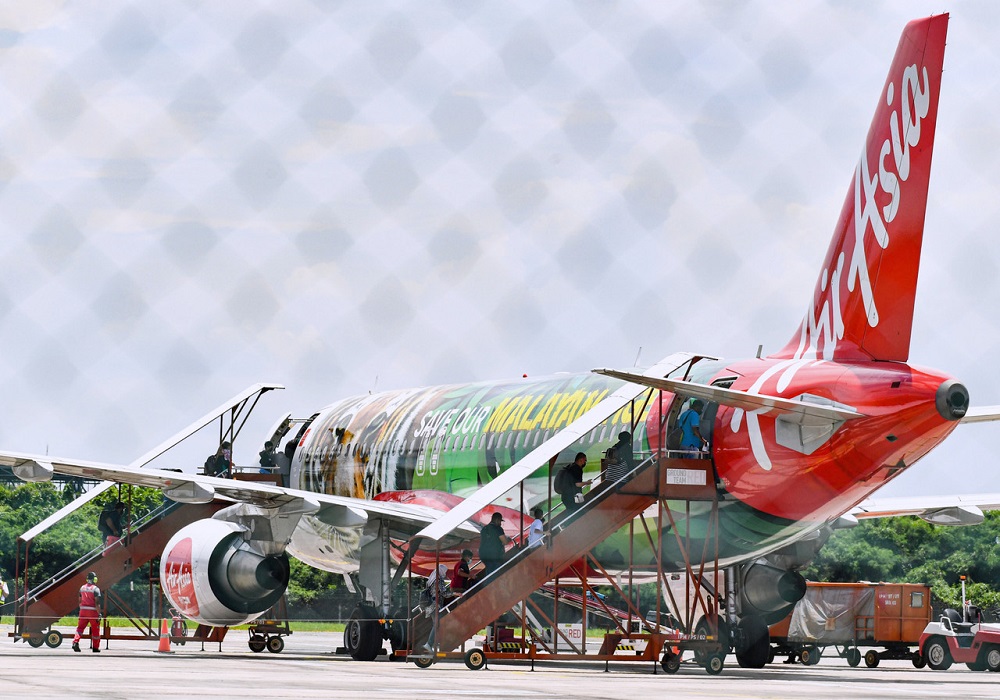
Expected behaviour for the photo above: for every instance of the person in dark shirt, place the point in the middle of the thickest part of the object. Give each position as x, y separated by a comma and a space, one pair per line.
492, 543
268, 460
575, 482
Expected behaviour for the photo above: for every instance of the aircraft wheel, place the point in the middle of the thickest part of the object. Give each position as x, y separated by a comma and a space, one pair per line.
475, 659
53, 638
670, 662
275, 645
35, 642
938, 656
993, 658
853, 657
363, 635
257, 643
423, 662
754, 646
872, 658
714, 664
918, 661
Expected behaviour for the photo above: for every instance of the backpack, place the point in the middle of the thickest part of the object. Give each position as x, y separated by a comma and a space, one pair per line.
563, 481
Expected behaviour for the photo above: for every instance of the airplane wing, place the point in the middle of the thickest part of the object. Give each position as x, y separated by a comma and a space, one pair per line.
805, 407
404, 519
937, 510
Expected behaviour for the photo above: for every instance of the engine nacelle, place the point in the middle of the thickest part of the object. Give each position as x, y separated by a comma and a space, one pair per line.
213, 576
769, 591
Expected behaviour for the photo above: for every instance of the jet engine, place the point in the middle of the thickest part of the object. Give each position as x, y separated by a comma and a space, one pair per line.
213, 574
769, 591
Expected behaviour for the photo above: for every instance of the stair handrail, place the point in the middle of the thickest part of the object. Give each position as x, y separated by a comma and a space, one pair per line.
137, 526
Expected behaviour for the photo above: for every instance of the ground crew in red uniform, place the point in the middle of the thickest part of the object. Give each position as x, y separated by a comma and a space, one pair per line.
90, 606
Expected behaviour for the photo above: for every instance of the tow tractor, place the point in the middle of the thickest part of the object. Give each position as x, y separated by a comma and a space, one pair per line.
961, 637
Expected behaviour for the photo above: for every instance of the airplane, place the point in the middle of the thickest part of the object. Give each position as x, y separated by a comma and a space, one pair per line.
799, 440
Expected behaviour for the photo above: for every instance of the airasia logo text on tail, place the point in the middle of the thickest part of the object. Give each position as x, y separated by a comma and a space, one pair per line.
823, 327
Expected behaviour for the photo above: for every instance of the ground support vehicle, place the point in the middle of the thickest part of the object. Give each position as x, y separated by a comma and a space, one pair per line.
958, 638
845, 617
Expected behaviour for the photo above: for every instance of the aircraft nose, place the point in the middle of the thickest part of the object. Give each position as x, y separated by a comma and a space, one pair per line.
952, 400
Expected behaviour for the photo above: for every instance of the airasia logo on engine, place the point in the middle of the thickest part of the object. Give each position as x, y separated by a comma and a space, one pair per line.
178, 581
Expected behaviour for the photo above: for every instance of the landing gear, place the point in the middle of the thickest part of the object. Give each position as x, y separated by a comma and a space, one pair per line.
363, 634
753, 644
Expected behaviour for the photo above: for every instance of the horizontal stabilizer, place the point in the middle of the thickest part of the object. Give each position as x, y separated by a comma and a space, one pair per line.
981, 414
805, 409
937, 510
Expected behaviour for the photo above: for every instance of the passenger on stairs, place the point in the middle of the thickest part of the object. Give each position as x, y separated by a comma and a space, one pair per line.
492, 544
462, 577
536, 531
620, 459
571, 483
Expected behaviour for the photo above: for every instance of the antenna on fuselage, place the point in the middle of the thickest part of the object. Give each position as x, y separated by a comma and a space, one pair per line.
374, 386
637, 356
760, 349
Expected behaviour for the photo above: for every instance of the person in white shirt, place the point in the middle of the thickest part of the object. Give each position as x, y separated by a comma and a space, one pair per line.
536, 531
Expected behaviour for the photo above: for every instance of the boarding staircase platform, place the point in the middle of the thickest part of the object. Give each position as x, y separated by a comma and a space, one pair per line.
57, 597
607, 509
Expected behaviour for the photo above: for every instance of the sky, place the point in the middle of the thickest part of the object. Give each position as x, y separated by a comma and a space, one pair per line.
347, 197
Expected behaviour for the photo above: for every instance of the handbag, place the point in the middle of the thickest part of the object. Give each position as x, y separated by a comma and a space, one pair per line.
578, 498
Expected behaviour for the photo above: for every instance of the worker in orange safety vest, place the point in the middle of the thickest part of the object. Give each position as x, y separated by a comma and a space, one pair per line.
90, 614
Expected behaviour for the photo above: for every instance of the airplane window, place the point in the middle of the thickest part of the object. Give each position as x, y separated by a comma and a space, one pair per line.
517, 441
538, 439
465, 443
510, 439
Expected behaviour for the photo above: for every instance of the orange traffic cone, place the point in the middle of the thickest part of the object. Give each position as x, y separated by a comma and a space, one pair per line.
164, 647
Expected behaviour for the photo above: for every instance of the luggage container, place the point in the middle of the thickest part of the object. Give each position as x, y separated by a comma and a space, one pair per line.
847, 616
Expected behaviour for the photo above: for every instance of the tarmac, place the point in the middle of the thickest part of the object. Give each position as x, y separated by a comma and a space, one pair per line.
309, 668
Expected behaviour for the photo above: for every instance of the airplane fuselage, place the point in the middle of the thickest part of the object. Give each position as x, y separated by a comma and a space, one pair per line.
778, 479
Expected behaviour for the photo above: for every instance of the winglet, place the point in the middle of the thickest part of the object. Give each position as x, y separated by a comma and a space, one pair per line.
863, 303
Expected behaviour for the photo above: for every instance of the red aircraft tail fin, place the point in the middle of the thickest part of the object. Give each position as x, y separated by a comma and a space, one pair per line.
863, 304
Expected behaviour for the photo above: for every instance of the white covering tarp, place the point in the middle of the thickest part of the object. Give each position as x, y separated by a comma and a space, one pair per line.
828, 614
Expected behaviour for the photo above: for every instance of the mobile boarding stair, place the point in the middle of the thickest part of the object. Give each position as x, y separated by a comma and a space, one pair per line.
565, 550
43, 604
39, 606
